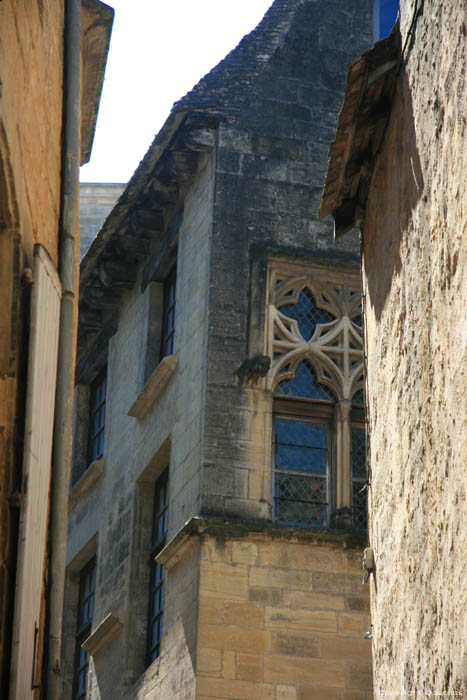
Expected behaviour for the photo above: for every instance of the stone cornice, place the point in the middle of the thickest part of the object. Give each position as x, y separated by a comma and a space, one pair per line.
217, 527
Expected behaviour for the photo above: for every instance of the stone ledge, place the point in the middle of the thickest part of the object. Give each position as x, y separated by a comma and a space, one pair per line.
154, 387
218, 527
105, 632
90, 477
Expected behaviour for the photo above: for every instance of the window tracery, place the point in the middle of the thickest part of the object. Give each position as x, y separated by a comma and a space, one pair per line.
317, 321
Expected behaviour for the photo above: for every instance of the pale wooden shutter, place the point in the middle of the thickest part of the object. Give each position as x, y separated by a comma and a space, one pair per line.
40, 403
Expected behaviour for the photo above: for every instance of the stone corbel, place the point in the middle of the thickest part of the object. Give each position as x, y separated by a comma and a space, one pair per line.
105, 632
154, 387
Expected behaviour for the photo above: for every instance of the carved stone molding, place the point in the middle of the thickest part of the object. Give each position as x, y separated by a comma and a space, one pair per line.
154, 387
86, 483
335, 348
104, 633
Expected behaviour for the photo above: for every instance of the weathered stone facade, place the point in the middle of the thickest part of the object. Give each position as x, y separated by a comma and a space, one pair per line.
415, 281
96, 199
31, 186
228, 192
414, 263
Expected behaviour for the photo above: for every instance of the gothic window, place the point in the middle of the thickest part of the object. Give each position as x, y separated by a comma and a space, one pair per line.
83, 630
156, 588
97, 416
315, 342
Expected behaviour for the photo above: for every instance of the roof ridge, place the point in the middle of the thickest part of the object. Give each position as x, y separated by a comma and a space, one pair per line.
243, 63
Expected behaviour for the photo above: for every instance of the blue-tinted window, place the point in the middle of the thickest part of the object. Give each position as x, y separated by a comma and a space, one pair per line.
85, 611
97, 417
304, 384
384, 17
301, 468
156, 590
306, 313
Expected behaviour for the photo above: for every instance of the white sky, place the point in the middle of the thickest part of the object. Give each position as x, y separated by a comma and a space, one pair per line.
158, 51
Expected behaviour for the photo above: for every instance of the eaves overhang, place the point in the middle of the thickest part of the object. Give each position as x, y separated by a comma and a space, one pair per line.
142, 219
96, 28
360, 131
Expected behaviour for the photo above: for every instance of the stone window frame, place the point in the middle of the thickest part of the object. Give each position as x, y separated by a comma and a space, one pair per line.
169, 299
87, 573
97, 404
94, 368
332, 351
160, 515
157, 333
135, 631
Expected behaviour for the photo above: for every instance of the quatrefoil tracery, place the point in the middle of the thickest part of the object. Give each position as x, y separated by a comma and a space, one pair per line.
334, 348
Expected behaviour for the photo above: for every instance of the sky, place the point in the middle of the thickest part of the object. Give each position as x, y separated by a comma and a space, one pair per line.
159, 49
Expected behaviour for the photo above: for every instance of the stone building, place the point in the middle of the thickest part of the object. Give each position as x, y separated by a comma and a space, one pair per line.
42, 124
406, 187
217, 503
96, 200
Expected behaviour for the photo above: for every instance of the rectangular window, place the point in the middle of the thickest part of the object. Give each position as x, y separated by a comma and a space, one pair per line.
156, 589
302, 469
168, 324
83, 629
97, 417
359, 478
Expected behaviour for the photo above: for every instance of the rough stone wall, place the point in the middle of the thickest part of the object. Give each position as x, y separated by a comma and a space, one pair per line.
172, 675
282, 619
272, 158
416, 299
31, 71
30, 149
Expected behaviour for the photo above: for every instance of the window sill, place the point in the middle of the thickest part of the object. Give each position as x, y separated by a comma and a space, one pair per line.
90, 477
105, 632
154, 387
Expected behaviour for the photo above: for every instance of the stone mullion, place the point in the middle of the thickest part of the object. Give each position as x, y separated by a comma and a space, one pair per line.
343, 496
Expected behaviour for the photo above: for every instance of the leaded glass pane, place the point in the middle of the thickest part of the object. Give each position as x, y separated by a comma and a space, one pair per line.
304, 384
359, 492
358, 453
300, 446
300, 500
359, 505
306, 313
358, 397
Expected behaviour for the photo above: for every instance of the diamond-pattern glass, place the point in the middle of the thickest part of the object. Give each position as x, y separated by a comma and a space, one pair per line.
358, 320
358, 453
300, 500
300, 446
359, 505
305, 384
358, 397
306, 313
